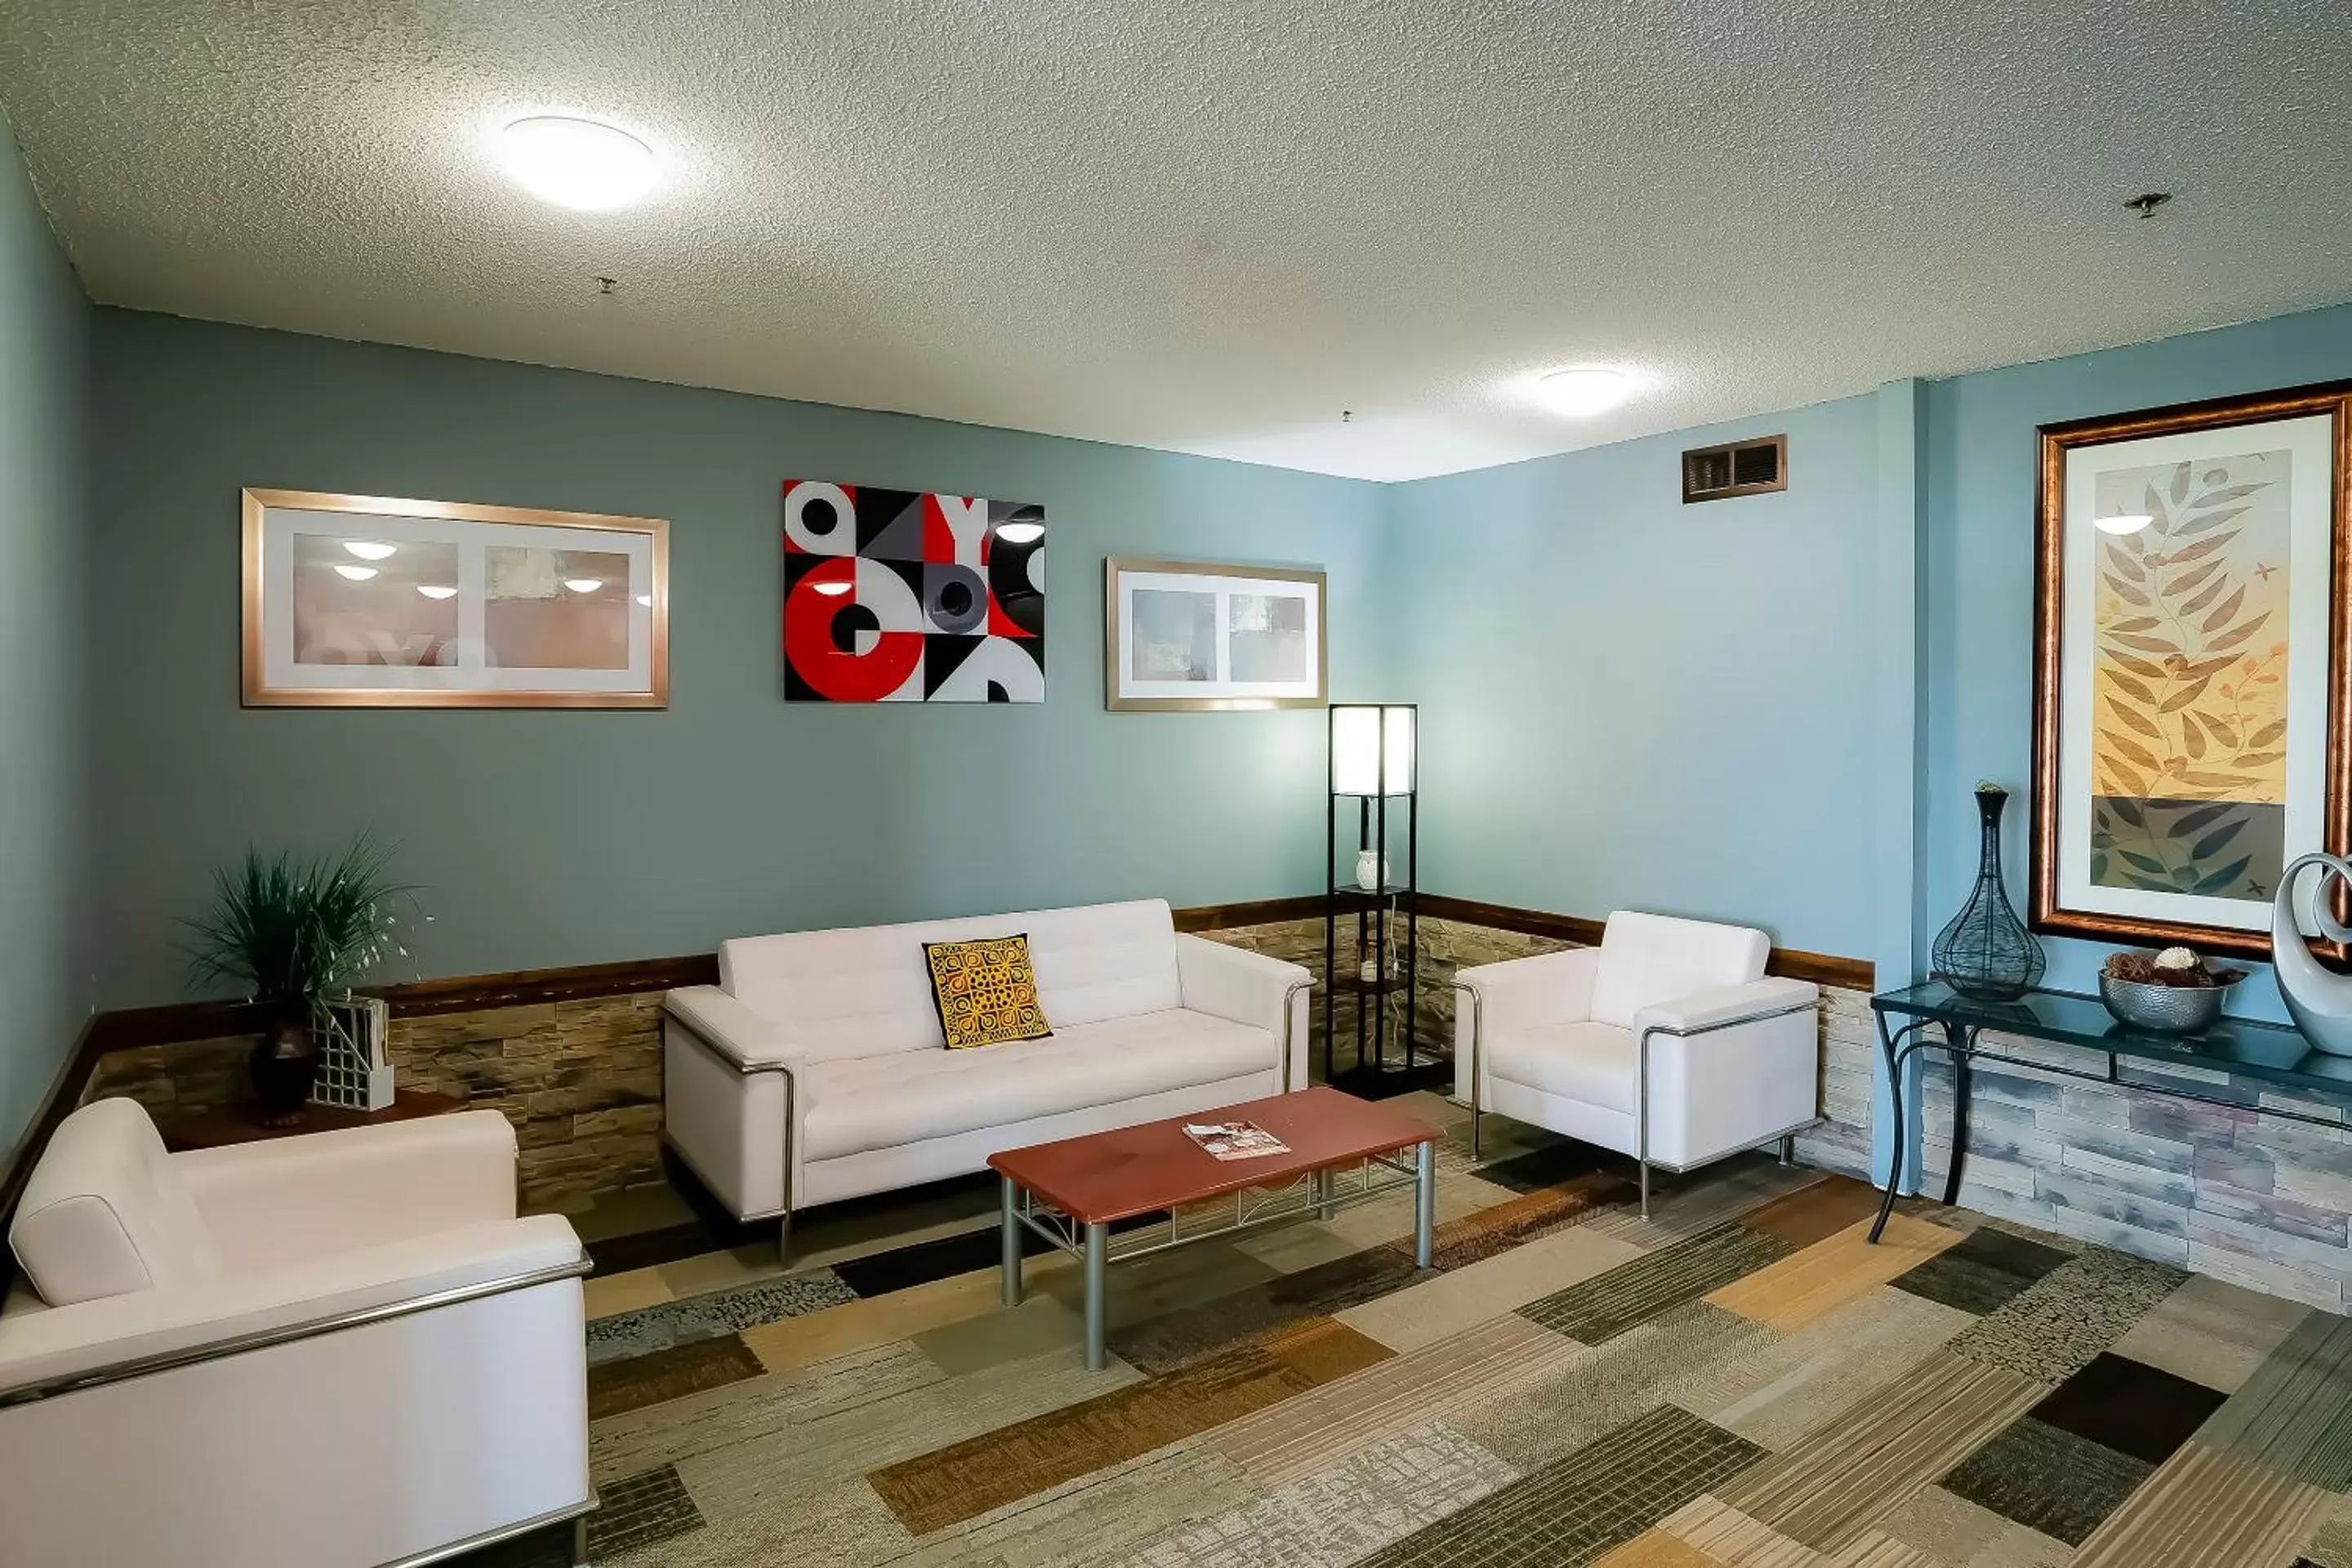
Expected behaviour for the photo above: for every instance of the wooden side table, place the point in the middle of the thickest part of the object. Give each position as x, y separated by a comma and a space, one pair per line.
238, 1124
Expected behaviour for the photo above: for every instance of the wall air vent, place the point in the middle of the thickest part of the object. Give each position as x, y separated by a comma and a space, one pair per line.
1740, 469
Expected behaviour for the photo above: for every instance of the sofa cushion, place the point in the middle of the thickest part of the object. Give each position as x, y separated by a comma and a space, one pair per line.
984, 991
104, 1213
865, 991
881, 1103
1648, 959
1592, 1063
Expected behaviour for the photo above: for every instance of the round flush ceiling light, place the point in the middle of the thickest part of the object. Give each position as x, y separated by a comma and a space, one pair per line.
1584, 391
1020, 533
2122, 523
584, 584
436, 590
369, 550
577, 163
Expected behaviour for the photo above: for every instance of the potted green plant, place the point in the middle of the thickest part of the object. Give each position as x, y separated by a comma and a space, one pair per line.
287, 932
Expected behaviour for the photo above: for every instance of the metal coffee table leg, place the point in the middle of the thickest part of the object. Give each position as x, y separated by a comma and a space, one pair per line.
1009, 1225
1425, 1202
1098, 1261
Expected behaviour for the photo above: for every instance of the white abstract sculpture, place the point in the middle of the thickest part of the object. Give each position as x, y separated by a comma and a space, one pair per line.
2318, 1000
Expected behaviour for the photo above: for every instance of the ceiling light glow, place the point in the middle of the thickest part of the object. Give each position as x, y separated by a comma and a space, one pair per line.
584, 584
1020, 533
577, 163
831, 590
370, 550
1585, 391
2122, 523
436, 590
356, 574
646, 600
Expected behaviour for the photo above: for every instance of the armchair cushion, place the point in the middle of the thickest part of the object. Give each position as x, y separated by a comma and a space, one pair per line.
1725, 1004
1648, 959
1592, 1063
290, 1198
104, 1213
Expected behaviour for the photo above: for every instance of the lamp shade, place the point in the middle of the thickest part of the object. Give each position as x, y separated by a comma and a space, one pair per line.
1371, 749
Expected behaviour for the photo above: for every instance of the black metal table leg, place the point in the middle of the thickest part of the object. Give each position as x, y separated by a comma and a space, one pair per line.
1959, 1039
1890, 1044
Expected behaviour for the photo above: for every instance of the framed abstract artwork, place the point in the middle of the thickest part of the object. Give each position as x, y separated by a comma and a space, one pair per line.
2190, 720
907, 596
367, 602
1181, 635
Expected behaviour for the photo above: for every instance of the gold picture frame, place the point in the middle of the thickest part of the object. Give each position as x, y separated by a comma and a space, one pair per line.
1200, 662
2193, 714
349, 658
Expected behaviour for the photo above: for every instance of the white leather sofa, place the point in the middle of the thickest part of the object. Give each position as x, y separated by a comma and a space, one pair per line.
1667, 1042
340, 1350
815, 1069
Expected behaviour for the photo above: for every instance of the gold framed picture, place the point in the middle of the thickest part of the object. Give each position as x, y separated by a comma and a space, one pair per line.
1181, 635
370, 602
2190, 723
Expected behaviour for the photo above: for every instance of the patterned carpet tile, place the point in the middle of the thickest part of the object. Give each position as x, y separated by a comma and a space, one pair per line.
933, 1490
1952, 1532
1499, 1228
2057, 1482
1597, 1310
2294, 1415
1815, 1212
1174, 1339
752, 1409
1715, 1197
639, 1510
1797, 1384
2055, 1326
2130, 1409
1812, 1283
1827, 1492
1303, 1434
1695, 1356
1657, 1549
2212, 1332
1554, 1165
1376, 1495
1584, 1504
1098, 1521
616, 1387
1985, 1272
1716, 1533
1437, 1306
2203, 1508
709, 1316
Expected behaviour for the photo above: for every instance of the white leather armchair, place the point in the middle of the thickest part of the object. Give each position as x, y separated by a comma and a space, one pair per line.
1667, 1042
341, 1349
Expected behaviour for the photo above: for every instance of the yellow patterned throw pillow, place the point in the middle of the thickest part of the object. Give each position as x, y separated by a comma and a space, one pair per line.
985, 991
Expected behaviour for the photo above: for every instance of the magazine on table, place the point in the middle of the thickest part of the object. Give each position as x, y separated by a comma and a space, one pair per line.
1235, 1140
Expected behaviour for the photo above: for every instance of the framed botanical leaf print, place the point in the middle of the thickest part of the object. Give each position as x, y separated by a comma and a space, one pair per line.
2190, 728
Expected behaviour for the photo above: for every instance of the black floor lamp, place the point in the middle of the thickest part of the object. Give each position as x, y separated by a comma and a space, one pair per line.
1372, 764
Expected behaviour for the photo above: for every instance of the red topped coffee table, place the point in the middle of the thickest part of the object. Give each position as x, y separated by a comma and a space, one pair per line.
1071, 1193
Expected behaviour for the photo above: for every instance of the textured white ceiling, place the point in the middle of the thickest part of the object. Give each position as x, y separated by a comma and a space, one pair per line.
1211, 226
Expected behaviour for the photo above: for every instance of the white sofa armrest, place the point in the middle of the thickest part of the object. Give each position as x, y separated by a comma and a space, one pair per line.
1517, 993
1269, 993
171, 1324
330, 1192
746, 1038
1722, 1006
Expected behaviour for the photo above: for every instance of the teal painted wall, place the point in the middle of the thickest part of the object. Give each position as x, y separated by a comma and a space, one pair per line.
556, 839
44, 357
1977, 690
1629, 702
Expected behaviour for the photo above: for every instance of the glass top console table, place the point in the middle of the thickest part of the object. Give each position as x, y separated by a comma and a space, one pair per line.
1935, 1017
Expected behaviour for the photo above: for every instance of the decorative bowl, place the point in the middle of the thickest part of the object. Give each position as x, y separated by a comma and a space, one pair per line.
2171, 1009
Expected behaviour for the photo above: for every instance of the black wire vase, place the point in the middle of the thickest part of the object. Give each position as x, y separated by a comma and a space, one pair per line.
1986, 951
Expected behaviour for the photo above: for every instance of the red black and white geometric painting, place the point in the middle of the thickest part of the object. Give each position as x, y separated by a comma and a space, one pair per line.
897, 596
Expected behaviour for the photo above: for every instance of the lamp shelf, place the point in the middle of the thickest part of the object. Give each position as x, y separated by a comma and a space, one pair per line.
1385, 891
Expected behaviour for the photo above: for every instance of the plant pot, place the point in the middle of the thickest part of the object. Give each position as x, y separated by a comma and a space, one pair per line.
284, 1064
